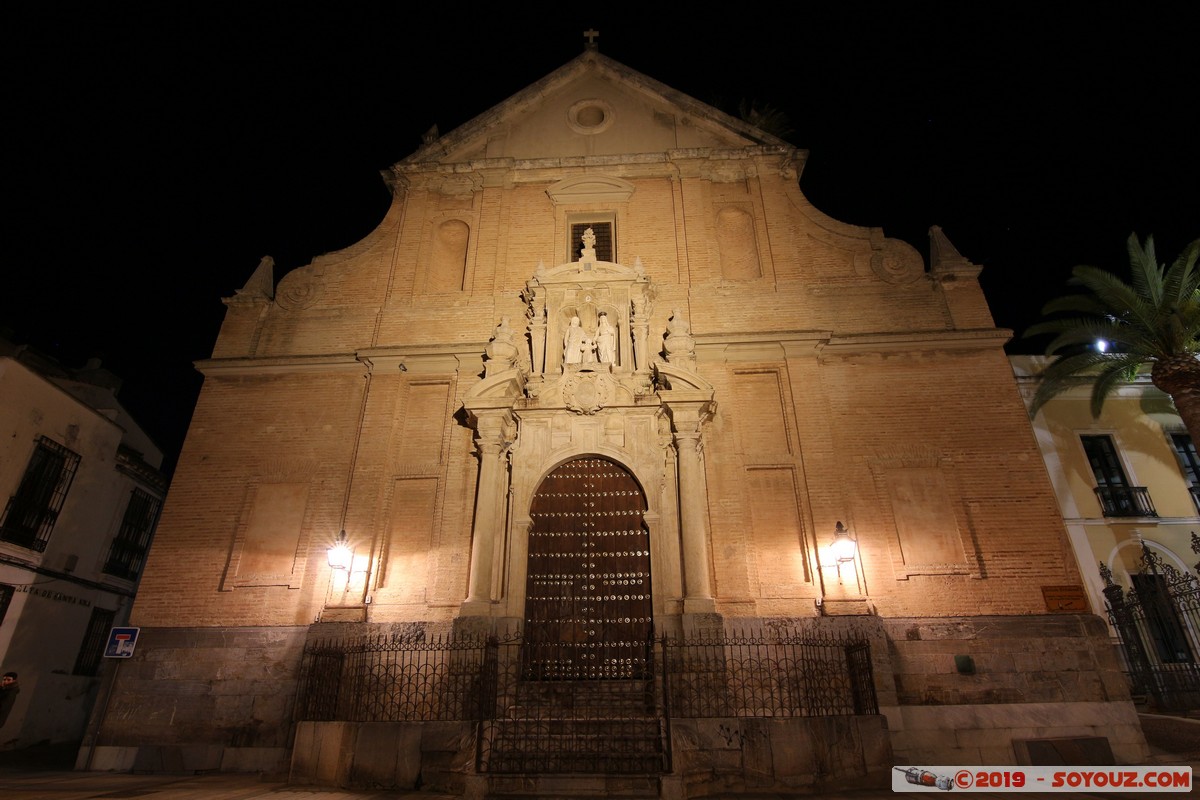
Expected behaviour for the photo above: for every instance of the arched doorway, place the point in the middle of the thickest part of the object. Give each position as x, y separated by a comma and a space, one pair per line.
587, 592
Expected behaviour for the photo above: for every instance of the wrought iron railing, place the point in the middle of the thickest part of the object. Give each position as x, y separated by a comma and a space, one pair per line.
393, 679
610, 721
1125, 501
1157, 621
778, 676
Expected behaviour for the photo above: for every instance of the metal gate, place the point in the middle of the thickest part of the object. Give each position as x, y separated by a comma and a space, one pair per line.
1157, 620
587, 593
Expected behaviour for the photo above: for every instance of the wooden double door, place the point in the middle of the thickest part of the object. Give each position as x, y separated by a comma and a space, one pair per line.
587, 593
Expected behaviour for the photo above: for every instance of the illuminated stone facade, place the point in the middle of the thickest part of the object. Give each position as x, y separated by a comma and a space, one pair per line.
761, 370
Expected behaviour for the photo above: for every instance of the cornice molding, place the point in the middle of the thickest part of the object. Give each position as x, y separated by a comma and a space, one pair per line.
416, 359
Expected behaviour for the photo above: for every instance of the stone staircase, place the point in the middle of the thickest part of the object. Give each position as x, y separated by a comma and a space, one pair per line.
565, 738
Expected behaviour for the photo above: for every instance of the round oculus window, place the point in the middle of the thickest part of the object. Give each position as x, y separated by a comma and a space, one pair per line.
590, 116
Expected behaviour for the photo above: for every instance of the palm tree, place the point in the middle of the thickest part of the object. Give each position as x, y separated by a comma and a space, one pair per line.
1153, 320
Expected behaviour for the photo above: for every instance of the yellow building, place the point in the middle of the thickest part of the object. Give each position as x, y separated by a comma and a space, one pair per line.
732, 484
1128, 483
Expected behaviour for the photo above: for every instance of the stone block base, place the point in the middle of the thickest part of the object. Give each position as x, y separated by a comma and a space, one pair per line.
184, 759
717, 755
390, 755
985, 734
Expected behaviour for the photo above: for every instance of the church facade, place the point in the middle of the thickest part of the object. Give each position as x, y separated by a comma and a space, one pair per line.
603, 375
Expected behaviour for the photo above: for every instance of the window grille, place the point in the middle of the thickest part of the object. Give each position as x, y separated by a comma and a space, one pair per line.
604, 239
31, 513
128, 551
94, 640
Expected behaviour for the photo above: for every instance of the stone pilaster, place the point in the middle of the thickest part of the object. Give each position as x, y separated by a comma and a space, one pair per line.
492, 429
693, 513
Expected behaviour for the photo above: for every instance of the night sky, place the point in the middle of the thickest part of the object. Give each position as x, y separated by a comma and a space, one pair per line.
157, 151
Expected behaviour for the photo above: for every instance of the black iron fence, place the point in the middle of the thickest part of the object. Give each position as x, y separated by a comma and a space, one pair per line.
775, 676
393, 679
615, 721
1157, 621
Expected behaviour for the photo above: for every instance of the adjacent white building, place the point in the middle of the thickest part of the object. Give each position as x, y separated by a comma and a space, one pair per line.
81, 491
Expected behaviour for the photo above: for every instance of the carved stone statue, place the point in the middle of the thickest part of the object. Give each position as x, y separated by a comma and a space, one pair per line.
680, 345
502, 351
574, 342
588, 253
606, 341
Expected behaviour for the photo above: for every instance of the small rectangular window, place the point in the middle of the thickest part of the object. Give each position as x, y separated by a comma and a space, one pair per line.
1117, 497
31, 513
6, 596
1189, 462
94, 639
127, 553
1102, 455
603, 228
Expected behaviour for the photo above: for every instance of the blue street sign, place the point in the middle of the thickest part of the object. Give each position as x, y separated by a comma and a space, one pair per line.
121, 642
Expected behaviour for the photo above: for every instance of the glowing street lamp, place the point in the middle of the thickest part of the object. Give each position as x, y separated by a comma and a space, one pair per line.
843, 546
339, 553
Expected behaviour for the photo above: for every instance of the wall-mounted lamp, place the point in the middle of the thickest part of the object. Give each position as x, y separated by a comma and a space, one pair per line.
843, 546
339, 553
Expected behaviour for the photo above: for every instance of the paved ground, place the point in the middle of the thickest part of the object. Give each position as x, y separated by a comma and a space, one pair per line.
45, 775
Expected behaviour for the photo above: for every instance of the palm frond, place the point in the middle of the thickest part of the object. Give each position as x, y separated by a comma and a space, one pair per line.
1181, 284
1121, 299
1078, 370
1113, 374
1144, 268
1074, 331
1152, 318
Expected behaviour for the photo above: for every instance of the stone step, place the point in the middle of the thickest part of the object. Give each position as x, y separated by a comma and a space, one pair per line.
611, 710
540, 787
573, 765
526, 727
575, 746
577, 692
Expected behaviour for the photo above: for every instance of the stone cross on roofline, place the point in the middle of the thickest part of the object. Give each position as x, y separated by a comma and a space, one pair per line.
591, 34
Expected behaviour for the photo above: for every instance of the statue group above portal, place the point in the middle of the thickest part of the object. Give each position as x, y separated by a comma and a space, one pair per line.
582, 347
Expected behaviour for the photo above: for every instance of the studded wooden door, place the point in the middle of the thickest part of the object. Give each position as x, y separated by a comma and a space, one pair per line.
587, 594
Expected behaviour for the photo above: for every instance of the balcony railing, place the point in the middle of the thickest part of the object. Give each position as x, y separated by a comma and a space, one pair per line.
1126, 501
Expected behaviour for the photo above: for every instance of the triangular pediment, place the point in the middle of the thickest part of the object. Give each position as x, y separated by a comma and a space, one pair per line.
592, 106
